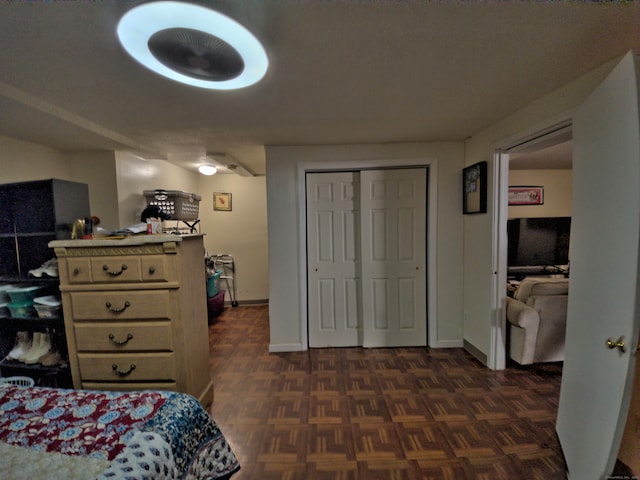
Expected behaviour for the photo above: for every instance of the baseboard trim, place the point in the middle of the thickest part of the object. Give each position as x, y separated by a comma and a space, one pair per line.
481, 357
264, 301
285, 347
448, 344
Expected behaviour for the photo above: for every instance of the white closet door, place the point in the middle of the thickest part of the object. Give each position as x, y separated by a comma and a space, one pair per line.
394, 285
333, 255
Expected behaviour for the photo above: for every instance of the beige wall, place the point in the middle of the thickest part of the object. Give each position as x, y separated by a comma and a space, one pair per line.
286, 254
557, 193
22, 161
136, 174
478, 229
242, 232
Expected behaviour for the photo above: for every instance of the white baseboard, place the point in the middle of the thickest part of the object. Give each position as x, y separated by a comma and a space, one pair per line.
448, 344
285, 347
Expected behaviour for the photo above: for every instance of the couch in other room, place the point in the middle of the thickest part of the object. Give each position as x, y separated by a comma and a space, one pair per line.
537, 319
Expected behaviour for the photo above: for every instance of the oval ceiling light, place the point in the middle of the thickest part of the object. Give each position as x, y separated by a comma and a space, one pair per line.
193, 45
207, 169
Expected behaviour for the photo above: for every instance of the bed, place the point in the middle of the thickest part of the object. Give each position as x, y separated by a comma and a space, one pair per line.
80, 434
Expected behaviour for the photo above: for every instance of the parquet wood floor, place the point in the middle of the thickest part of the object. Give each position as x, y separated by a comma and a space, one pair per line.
393, 413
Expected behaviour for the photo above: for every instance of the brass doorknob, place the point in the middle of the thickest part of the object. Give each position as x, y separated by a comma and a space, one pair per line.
611, 343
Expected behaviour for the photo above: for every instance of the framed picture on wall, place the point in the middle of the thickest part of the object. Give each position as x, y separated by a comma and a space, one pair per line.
222, 201
526, 195
474, 188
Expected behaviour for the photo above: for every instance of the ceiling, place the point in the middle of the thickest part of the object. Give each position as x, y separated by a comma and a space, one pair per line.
340, 73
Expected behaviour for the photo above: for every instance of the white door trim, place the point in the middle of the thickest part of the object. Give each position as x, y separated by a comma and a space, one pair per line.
432, 217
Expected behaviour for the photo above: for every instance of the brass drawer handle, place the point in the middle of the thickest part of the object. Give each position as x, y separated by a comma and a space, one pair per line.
112, 337
114, 273
123, 373
116, 309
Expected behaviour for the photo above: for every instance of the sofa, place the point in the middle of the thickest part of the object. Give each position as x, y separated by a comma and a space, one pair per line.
537, 319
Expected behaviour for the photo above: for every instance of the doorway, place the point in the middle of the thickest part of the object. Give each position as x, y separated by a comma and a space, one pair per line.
544, 161
366, 258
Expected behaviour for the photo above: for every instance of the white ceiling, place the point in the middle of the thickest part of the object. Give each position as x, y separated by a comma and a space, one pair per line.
340, 72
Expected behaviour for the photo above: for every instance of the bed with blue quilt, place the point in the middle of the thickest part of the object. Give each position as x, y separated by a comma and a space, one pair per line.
49, 433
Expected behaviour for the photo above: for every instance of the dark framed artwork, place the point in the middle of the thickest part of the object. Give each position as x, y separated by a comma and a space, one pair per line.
474, 188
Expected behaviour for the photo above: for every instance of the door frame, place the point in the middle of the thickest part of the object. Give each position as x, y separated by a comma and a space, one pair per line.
539, 136
431, 164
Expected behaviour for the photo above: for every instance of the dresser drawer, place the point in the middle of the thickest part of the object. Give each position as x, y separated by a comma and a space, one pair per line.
119, 305
127, 367
122, 387
123, 337
118, 269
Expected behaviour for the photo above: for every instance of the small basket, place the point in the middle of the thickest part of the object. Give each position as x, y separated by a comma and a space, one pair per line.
19, 381
179, 205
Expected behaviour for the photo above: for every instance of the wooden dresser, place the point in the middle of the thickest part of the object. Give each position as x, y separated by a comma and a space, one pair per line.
135, 313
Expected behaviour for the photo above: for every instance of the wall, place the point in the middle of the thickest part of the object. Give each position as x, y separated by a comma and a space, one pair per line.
479, 255
43, 162
136, 174
557, 193
23, 161
242, 232
285, 202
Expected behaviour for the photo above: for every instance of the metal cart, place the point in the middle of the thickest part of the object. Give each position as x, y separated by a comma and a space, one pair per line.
225, 263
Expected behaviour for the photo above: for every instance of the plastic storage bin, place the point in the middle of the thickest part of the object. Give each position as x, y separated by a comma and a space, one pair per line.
213, 283
4, 295
180, 205
22, 310
47, 307
20, 295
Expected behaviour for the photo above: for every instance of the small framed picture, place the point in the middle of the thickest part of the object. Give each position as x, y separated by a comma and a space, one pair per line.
474, 188
222, 201
526, 195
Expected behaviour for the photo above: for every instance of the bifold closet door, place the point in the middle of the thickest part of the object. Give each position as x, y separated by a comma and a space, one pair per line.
393, 246
366, 258
333, 255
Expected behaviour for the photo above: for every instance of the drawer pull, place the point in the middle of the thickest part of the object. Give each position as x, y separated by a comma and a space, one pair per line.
123, 373
152, 269
76, 271
116, 309
112, 337
113, 273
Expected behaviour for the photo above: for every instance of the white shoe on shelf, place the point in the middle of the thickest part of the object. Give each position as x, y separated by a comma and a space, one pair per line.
43, 347
48, 269
22, 346
35, 345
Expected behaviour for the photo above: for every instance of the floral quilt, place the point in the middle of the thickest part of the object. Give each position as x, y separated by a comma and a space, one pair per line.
68, 434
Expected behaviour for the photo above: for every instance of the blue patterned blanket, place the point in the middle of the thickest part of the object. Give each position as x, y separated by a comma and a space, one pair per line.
80, 434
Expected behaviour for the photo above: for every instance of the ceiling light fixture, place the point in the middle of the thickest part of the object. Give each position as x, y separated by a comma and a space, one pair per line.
193, 45
207, 169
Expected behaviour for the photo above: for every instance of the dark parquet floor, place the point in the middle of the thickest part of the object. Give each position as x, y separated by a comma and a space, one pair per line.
392, 413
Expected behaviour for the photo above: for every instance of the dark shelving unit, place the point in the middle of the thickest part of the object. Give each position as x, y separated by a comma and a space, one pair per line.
31, 215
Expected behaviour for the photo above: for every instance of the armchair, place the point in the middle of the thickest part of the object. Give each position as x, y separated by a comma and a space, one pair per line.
536, 319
